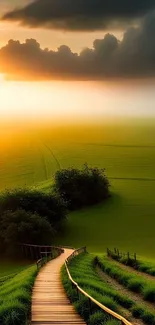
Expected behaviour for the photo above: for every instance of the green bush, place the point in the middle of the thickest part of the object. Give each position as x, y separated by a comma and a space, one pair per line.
29, 216
82, 188
23, 227
50, 206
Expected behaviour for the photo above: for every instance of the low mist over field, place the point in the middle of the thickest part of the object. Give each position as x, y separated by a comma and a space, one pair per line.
58, 102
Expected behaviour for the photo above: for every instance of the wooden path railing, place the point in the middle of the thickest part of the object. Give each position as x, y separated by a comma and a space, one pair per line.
117, 255
91, 299
36, 252
47, 256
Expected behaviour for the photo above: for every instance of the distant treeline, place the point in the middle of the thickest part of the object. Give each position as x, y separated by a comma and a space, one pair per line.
33, 217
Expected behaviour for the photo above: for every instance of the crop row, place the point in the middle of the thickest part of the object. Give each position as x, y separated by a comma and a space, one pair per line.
83, 271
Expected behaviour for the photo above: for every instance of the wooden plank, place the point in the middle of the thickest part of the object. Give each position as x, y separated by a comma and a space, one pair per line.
50, 304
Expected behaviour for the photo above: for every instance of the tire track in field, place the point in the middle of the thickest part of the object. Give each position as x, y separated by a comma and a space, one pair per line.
141, 179
121, 145
44, 165
53, 156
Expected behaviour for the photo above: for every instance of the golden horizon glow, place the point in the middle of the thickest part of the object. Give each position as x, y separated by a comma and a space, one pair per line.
66, 101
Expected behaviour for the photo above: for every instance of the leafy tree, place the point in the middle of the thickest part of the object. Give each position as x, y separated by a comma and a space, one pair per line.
24, 227
82, 187
50, 206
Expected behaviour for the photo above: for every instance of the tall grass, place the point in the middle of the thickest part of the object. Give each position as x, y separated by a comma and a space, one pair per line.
15, 298
141, 265
4, 279
95, 316
138, 264
132, 281
83, 271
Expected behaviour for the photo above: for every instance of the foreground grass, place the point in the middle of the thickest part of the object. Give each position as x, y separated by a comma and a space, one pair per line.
96, 316
83, 271
15, 298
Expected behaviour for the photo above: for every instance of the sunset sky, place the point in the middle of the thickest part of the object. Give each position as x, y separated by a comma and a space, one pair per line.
71, 40
46, 37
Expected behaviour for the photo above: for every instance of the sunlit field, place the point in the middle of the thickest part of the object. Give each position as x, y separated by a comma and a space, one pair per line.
126, 149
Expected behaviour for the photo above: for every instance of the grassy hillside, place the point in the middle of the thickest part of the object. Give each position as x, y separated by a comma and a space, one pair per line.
126, 150
9, 267
126, 221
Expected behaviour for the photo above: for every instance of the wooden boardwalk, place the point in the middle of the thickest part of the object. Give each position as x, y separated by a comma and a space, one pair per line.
50, 304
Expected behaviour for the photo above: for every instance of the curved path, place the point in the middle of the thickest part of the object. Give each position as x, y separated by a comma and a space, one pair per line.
50, 304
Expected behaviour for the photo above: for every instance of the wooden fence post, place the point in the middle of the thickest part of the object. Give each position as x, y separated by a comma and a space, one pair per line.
78, 294
90, 306
128, 256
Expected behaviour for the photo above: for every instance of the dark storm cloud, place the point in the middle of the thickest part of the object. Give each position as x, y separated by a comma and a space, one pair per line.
79, 14
132, 57
6, 5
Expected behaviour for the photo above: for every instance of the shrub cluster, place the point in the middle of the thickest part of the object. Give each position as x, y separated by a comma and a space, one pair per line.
83, 187
29, 216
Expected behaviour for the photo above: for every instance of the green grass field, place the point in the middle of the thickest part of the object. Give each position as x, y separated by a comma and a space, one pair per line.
135, 302
10, 267
125, 149
15, 297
